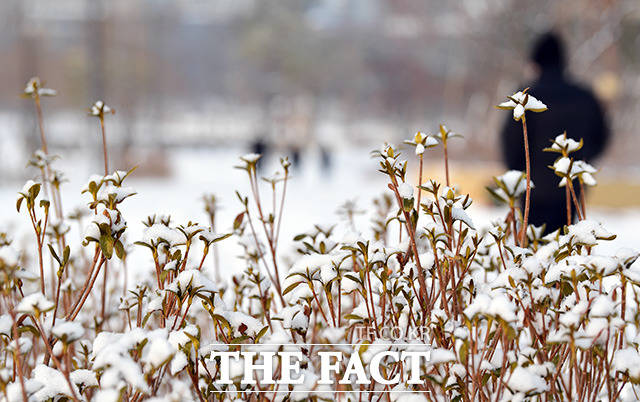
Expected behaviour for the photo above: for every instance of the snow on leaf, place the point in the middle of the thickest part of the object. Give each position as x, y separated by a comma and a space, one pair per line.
405, 190
459, 214
68, 331
627, 361
520, 102
55, 384
526, 380
34, 304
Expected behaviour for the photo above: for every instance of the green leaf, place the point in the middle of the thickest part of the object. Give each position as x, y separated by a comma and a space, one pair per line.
495, 195
54, 255
261, 333
238, 221
220, 238
464, 351
119, 249
106, 245
34, 191
66, 254
93, 187
222, 320
140, 243
194, 339
291, 287
128, 173
239, 339
353, 278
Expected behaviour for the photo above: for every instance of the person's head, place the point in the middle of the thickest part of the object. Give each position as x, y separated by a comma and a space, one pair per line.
548, 52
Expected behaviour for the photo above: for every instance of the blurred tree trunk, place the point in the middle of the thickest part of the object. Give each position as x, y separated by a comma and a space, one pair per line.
95, 43
29, 67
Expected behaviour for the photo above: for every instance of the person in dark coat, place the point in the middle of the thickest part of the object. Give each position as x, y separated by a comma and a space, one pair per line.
572, 108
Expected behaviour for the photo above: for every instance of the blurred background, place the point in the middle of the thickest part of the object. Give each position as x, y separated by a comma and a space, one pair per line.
320, 80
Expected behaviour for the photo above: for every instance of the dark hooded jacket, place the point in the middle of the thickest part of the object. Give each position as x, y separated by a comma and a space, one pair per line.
571, 108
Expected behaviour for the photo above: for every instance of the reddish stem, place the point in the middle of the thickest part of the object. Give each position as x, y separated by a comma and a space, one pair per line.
527, 200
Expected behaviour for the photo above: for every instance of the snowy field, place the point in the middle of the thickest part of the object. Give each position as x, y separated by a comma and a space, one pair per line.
313, 197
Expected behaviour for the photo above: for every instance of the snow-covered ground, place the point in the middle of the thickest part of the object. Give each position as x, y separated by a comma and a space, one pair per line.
313, 197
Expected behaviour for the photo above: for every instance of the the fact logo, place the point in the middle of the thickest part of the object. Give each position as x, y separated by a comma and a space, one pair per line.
384, 364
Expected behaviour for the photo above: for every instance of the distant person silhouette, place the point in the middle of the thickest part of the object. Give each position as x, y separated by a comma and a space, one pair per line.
572, 108
260, 146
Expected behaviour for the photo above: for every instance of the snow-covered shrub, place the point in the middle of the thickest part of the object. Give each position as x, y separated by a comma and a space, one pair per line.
507, 313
